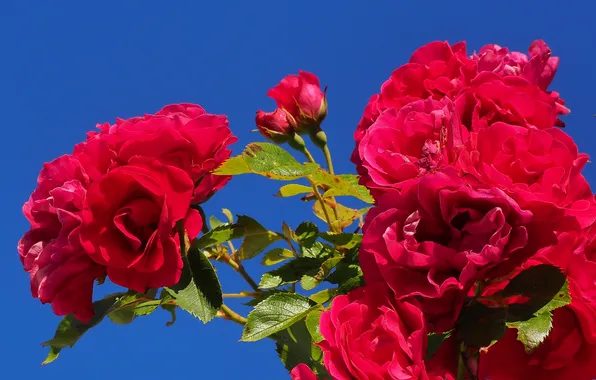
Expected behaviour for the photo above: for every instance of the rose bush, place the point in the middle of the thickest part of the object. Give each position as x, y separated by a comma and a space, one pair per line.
478, 247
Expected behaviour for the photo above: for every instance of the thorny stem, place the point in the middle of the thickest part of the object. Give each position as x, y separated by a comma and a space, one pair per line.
232, 315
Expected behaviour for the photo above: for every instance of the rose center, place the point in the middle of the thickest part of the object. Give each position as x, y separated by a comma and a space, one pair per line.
137, 221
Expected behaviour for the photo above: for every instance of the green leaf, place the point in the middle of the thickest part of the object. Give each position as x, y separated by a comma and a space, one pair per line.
323, 296
434, 342
318, 250
266, 159
276, 256
312, 324
129, 307
310, 282
533, 331
290, 272
70, 329
228, 215
257, 237
198, 290
214, 222
342, 240
344, 272
480, 325
306, 233
541, 284
345, 215
288, 233
233, 166
52, 355
262, 295
165, 298
295, 346
343, 184
274, 314
293, 189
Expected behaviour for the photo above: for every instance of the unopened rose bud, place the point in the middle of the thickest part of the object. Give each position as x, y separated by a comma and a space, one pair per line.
302, 98
275, 126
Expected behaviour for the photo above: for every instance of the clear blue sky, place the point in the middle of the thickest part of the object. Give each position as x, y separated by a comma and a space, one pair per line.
67, 65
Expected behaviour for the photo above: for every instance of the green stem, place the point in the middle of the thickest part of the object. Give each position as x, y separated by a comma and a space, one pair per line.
232, 315
328, 158
238, 267
322, 202
240, 295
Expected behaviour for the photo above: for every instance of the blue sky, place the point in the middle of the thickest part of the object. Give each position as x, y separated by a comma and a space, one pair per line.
67, 65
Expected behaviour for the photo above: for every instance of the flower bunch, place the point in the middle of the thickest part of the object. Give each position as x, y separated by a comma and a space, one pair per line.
480, 202
111, 207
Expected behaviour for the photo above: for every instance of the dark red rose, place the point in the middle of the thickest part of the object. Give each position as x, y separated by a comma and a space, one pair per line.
437, 237
129, 219
61, 273
370, 336
400, 146
275, 126
301, 97
181, 135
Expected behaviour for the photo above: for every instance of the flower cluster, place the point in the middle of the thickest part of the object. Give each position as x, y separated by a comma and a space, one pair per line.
474, 181
110, 208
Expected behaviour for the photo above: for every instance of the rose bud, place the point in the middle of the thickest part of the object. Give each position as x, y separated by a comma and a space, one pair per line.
275, 126
301, 97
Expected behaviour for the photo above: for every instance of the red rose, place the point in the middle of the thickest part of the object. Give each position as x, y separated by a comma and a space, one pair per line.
301, 97
491, 98
275, 126
369, 336
60, 271
545, 163
181, 135
302, 372
129, 219
538, 69
565, 354
435, 70
437, 237
402, 145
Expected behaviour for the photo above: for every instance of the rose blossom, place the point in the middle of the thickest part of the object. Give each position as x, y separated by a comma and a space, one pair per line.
181, 135
435, 70
301, 97
275, 126
437, 237
402, 145
129, 219
545, 162
60, 271
369, 336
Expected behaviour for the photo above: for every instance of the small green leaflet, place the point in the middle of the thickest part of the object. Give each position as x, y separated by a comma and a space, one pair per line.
342, 240
312, 324
293, 189
290, 272
276, 256
256, 237
274, 314
70, 329
266, 159
198, 290
343, 184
